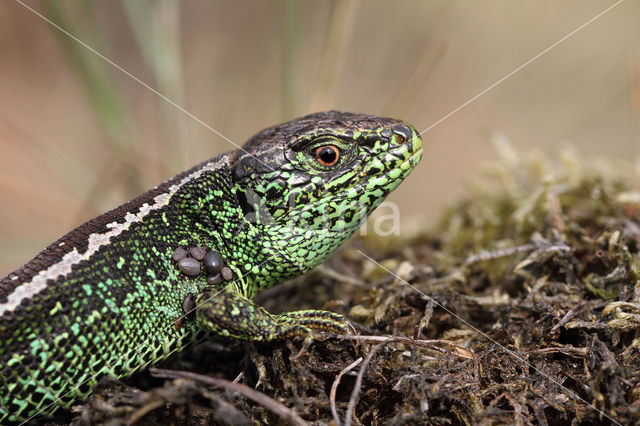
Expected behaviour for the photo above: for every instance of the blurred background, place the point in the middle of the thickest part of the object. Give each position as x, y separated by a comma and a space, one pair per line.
79, 137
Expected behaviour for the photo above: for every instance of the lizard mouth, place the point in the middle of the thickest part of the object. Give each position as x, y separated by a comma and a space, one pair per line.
416, 156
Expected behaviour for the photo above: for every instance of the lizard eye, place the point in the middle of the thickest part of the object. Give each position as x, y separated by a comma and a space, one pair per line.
327, 155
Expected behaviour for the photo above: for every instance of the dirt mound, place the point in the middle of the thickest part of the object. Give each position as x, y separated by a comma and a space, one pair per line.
521, 307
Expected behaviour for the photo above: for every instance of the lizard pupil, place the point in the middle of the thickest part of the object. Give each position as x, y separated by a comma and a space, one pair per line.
327, 155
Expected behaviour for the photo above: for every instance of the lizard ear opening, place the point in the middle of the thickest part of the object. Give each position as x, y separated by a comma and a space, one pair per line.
247, 207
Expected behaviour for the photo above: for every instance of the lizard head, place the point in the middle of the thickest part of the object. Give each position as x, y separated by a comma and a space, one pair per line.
308, 184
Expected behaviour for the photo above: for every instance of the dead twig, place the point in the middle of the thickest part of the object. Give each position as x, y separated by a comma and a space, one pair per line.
341, 278
435, 344
358, 385
239, 377
485, 255
576, 310
334, 388
566, 350
143, 411
254, 395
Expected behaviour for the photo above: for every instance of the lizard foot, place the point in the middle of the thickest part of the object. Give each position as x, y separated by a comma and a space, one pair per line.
229, 313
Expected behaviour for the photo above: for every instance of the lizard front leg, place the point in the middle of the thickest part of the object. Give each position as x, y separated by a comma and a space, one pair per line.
228, 313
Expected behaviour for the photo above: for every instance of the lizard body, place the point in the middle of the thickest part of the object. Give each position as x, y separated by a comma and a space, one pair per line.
109, 298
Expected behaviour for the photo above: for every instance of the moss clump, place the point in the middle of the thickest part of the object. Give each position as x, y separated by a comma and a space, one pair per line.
521, 306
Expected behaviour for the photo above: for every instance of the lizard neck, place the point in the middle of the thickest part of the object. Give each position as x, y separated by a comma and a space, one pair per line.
213, 217
280, 251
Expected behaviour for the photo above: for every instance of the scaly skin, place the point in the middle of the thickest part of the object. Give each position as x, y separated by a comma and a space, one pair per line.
108, 299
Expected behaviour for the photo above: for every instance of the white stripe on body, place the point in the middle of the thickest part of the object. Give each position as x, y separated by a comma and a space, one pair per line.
38, 282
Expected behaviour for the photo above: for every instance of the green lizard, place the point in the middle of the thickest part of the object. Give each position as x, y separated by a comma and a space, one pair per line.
138, 283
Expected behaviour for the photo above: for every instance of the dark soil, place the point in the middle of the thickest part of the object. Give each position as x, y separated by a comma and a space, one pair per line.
521, 307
